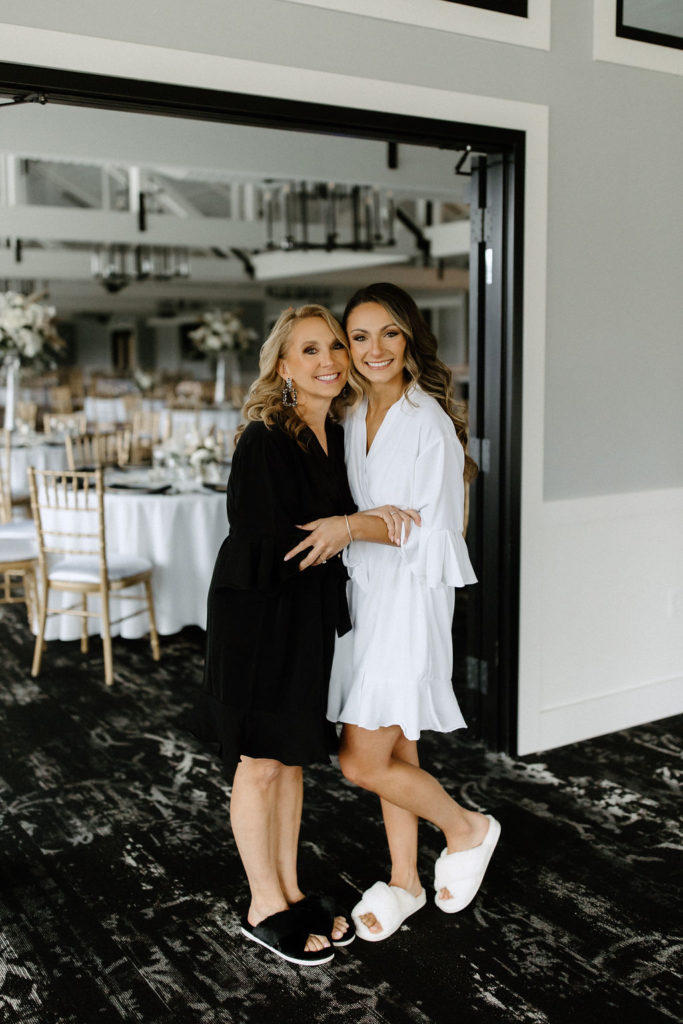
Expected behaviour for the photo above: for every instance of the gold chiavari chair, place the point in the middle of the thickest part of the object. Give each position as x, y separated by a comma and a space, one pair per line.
72, 377
188, 394
27, 414
60, 398
58, 424
68, 508
131, 405
18, 545
145, 434
98, 450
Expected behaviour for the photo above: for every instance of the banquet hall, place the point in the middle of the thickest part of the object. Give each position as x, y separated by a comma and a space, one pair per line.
167, 187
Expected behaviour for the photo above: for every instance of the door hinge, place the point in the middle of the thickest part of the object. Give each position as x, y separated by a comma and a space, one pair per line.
480, 450
477, 674
481, 226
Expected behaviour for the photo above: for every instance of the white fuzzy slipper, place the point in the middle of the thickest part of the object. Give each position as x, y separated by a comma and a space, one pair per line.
391, 906
463, 872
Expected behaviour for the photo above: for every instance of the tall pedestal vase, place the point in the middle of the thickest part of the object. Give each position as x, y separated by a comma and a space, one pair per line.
11, 391
235, 379
219, 388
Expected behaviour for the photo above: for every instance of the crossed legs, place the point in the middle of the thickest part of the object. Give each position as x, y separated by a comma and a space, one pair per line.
385, 762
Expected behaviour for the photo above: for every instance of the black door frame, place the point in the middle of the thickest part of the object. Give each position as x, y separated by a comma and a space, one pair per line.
500, 649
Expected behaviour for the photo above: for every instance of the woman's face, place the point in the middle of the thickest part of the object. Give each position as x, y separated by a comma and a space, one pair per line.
377, 344
316, 360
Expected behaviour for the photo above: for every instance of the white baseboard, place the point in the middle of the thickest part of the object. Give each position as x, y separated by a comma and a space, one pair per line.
611, 712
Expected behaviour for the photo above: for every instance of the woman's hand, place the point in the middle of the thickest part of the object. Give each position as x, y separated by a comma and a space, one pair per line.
327, 537
395, 519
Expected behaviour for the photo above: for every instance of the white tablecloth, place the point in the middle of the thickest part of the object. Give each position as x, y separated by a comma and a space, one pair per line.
113, 410
184, 421
40, 455
38, 393
180, 535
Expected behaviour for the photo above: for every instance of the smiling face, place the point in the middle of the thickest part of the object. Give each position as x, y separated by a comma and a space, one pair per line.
316, 360
377, 345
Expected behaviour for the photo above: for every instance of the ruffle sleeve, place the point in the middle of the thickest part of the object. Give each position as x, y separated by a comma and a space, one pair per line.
436, 551
356, 561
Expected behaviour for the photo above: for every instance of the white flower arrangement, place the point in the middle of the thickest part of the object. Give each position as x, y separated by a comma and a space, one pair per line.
145, 381
222, 330
27, 331
208, 450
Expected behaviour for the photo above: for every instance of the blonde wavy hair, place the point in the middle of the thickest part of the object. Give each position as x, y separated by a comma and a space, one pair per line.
422, 365
264, 400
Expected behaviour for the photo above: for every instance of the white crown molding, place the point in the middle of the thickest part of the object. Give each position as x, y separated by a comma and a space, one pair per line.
533, 31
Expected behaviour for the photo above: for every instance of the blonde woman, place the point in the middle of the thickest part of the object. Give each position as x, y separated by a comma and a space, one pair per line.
405, 447
271, 629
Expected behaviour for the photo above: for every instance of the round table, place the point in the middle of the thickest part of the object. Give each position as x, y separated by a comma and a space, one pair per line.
180, 534
179, 422
37, 453
112, 409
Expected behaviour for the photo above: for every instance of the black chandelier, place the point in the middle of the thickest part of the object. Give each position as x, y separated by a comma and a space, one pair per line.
115, 266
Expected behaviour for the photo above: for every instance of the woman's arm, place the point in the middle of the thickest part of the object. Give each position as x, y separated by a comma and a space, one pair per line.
327, 537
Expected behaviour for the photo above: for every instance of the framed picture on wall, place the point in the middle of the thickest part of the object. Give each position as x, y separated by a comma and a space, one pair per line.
639, 33
518, 8
516, 22
651, 21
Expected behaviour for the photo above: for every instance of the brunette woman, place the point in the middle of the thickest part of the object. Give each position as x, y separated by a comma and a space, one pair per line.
405, 448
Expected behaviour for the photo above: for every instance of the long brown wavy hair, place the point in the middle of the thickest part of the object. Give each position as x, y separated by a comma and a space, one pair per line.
264, 400
422, 365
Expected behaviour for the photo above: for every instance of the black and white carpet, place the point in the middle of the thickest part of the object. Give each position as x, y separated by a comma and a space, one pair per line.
121, 889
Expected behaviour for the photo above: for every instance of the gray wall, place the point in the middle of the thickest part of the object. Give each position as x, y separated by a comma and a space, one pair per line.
614, 354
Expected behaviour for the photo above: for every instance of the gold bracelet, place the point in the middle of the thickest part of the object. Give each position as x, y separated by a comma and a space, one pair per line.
346, 520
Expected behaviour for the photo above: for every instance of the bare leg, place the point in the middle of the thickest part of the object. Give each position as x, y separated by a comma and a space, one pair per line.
367, 758
254, 818
401, 828
288, 804
289, 797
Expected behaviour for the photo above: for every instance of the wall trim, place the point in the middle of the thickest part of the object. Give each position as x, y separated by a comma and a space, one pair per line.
609, 712
610, 47
533, 31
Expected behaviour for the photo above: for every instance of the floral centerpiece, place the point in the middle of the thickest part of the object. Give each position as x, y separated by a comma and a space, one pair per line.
222, 330
144, 380
27, 331
28, 337
206, 459
220, 333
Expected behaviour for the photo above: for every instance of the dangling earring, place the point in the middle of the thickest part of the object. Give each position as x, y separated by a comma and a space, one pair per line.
289, 393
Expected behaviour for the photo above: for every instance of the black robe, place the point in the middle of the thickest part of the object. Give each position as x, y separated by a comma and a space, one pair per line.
271, 626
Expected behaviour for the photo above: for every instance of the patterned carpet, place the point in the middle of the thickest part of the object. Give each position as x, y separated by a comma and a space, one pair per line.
121, 890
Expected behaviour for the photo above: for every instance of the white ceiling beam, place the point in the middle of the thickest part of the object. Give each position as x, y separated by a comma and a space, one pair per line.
57, 223
75, 266
111, 227
271, 266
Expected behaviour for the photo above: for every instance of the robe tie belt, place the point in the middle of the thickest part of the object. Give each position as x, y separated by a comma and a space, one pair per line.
336, 578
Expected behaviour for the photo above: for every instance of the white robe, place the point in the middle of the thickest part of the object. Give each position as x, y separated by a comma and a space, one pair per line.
394, 667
